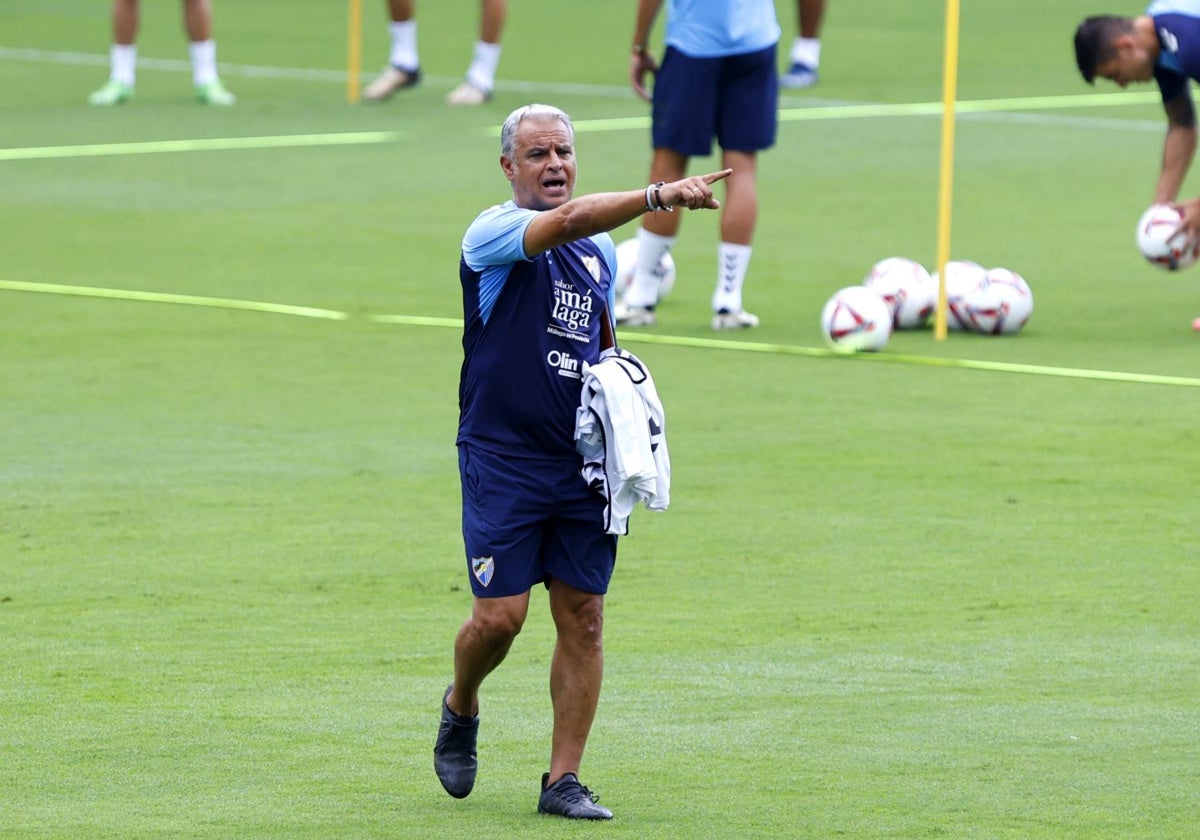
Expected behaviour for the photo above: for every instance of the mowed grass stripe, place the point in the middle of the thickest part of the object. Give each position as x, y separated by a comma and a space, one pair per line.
214, 144
629, 338
166, 297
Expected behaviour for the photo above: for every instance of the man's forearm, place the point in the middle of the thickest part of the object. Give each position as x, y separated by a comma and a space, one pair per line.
1178, 150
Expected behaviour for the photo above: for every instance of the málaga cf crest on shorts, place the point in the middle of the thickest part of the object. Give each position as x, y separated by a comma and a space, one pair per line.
483, 568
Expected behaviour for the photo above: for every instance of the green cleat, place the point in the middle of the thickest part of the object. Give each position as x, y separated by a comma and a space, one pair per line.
113, 93
214, 93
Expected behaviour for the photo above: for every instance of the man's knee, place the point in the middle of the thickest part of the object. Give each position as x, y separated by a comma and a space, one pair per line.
580, 616
496, 621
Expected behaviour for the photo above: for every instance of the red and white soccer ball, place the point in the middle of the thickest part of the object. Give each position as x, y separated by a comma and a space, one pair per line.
963, 281
999, 306
994, 301
907, 288
627, 254
1159, 242
856, 318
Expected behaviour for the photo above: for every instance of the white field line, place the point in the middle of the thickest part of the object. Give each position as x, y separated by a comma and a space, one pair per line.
681, 341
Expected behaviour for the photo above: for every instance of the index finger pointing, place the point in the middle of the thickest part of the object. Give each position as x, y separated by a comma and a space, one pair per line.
713, 177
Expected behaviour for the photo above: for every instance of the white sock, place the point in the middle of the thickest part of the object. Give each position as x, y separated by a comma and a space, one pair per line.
732, 262
482, 72
204, 61
404, 45
643, 291
807, 51
122, 59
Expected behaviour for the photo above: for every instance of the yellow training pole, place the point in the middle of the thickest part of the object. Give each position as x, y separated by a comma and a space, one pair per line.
946, 189
354, 51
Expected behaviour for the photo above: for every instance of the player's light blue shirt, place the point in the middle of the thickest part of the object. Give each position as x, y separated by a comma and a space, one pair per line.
717, 28
496, 240
1178, 25
529, 324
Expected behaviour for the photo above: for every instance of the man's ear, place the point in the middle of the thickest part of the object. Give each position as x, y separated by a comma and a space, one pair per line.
506, 164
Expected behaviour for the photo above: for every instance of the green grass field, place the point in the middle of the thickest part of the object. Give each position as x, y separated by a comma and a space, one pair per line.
908, 596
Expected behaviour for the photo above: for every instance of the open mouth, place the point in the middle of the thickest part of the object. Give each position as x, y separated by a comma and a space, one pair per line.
554, 183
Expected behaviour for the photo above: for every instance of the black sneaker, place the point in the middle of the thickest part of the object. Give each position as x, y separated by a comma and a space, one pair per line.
568, 798
454, 752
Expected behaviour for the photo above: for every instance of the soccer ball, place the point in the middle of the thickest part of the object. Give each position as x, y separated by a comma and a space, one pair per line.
856, 318
1158, 241
907, 288
1000, 305
963, 279
627, 254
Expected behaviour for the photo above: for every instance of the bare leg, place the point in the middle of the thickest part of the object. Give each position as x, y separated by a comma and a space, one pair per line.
401, 10
805, 52
655, 238
667, 165
739, 210
482, 643
197, 20
491, 20
125, 21
810, 13
575, 674
485, 57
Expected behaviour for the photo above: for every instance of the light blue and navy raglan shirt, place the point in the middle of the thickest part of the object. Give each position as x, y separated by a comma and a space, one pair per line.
529, 325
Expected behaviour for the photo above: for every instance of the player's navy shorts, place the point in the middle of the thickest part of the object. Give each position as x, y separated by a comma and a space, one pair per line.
734, 98
527, 520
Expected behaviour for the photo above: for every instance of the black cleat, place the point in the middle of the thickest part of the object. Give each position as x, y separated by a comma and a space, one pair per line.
454, 752
568, 798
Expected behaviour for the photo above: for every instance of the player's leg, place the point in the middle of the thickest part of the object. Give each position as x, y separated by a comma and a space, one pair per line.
578, 557
811, 14
684, 123
491, 20
655, 237
401, 11
805, 55
481, 644
126, 18
739, 207
504, 506
197, 19
575, 676
197, 22
576, 672
747, 124
122, 56
403, 69
739, 217
485, 58
666, 165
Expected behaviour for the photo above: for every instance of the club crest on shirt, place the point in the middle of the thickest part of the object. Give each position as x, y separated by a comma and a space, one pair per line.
483, 568
592, 264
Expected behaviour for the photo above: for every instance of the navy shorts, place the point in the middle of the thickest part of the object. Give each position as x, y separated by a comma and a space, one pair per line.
734, 99
526, 520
